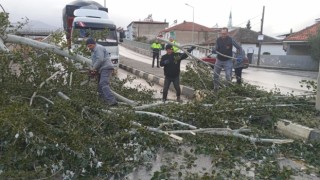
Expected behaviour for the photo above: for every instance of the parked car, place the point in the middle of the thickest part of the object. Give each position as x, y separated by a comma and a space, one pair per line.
212, 60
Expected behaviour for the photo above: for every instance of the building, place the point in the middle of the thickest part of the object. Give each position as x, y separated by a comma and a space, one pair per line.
249, 42
297, 43
148, 29
182, 33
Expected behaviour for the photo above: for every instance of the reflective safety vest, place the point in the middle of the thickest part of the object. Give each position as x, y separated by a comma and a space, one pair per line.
175, 49
156, 47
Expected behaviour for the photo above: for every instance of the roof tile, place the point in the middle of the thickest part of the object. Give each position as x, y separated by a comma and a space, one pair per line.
188, 26
304, 34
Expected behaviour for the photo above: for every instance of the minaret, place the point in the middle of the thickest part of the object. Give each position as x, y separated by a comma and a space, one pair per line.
230, 22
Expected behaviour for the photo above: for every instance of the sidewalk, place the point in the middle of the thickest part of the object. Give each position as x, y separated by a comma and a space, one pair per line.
156, 75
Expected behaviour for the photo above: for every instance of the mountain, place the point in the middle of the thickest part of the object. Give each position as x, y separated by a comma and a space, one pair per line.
39, 25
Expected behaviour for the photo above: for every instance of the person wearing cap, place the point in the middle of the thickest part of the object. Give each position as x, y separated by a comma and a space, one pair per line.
171, 67
101, 63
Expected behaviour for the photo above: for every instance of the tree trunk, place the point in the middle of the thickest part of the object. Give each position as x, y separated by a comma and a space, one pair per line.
47, 47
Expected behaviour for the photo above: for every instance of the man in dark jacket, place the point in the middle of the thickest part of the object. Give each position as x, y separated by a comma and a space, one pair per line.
171, 63
223, 47
102, 65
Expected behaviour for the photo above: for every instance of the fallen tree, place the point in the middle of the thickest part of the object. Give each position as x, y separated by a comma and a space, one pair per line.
54, 126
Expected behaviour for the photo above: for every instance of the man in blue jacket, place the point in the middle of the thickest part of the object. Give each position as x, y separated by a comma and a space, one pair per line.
171, 63
102, 65
238, 65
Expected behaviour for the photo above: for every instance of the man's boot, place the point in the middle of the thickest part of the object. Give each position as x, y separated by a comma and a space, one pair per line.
178, 99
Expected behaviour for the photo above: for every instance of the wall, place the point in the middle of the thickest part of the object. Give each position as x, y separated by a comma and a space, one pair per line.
138, 47
147, 29
287, 61
273, 49
185, 37
298, 49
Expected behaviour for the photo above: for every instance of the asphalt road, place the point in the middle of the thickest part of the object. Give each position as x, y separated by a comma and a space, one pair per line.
288, 81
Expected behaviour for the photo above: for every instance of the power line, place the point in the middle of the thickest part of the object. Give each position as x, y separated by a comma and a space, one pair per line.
247, 21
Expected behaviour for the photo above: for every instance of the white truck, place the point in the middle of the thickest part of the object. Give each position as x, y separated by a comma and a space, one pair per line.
84, 19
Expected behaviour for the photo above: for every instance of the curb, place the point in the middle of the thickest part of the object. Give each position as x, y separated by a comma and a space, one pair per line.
185, 90
285, 127
297, 131
280, 68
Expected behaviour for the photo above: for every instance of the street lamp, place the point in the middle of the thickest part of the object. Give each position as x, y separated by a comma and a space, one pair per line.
192, 21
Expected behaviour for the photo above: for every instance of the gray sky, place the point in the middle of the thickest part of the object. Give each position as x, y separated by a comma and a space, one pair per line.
280, 15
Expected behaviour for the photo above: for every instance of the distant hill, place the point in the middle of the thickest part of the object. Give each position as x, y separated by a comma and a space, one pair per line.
34, 24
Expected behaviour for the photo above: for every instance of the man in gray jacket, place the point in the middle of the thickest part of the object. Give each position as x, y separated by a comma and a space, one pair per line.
101, 64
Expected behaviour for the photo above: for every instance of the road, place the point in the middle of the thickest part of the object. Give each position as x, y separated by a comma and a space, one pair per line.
143, 84
285, 80
288, 81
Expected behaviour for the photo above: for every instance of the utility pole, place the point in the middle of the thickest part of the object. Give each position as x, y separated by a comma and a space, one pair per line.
260, 39
104, 3
192, 21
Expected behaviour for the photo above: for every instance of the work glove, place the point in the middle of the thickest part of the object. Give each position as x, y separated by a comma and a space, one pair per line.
239, 59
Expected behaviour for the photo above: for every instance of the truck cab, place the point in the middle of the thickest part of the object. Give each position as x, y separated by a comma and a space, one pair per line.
88, 19
104, 31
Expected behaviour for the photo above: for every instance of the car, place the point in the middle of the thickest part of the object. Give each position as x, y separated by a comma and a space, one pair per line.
211, 59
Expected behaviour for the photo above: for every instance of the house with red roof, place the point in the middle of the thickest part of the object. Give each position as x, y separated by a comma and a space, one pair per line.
297, 43
249, 42
189, 33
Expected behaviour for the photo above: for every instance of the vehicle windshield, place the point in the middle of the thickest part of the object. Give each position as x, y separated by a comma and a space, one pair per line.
103, 34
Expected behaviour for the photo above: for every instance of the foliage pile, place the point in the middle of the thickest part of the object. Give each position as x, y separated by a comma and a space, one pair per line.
299, 109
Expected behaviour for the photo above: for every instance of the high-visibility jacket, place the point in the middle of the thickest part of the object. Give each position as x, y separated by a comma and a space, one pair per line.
175, 49
156, 47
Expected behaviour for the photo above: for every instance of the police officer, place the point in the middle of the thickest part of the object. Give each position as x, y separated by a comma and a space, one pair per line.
156, 48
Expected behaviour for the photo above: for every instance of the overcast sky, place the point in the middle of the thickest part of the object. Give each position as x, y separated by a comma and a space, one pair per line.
280, 15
